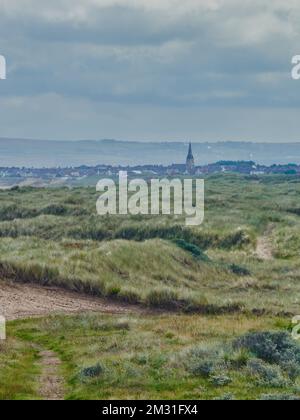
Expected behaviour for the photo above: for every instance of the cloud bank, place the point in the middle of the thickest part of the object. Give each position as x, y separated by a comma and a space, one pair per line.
159, 69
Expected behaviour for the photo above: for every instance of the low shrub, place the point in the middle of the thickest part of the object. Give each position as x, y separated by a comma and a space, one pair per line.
204, 368
55, 210
279, 397
267, 375
215, 363
292, 369
220, 380
203, 361
295, 210
92, 371
238, 270
11, 212
272, 347
193, 249
238, 359
225, 397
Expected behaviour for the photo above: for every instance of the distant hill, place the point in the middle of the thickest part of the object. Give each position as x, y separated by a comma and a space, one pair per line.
42, 153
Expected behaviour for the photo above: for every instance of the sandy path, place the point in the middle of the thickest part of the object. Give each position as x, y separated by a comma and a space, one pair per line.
27, 300
51, 383
263, 249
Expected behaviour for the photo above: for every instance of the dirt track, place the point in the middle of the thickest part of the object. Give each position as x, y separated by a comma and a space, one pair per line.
27, 300
264, 250
51, 383
24, 301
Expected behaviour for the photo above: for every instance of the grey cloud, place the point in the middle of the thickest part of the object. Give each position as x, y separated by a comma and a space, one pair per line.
141, 55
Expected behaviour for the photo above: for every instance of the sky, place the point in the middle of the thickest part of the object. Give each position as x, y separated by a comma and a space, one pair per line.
159, 70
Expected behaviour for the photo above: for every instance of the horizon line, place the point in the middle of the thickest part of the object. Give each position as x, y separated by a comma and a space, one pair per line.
149, 141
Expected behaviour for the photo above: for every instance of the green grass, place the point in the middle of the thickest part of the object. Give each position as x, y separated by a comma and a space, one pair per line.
19, 370
112, 357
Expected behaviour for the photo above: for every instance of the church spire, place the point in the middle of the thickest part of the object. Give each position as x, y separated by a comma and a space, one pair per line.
190, 154
190, 162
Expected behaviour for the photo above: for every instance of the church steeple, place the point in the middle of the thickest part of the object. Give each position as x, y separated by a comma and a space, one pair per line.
190, 162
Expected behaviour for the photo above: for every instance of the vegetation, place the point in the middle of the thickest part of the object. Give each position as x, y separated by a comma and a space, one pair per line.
156, 356
229, 334
19, 369
54, 237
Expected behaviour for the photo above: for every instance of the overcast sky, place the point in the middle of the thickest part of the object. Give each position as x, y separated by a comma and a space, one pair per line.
204, 70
